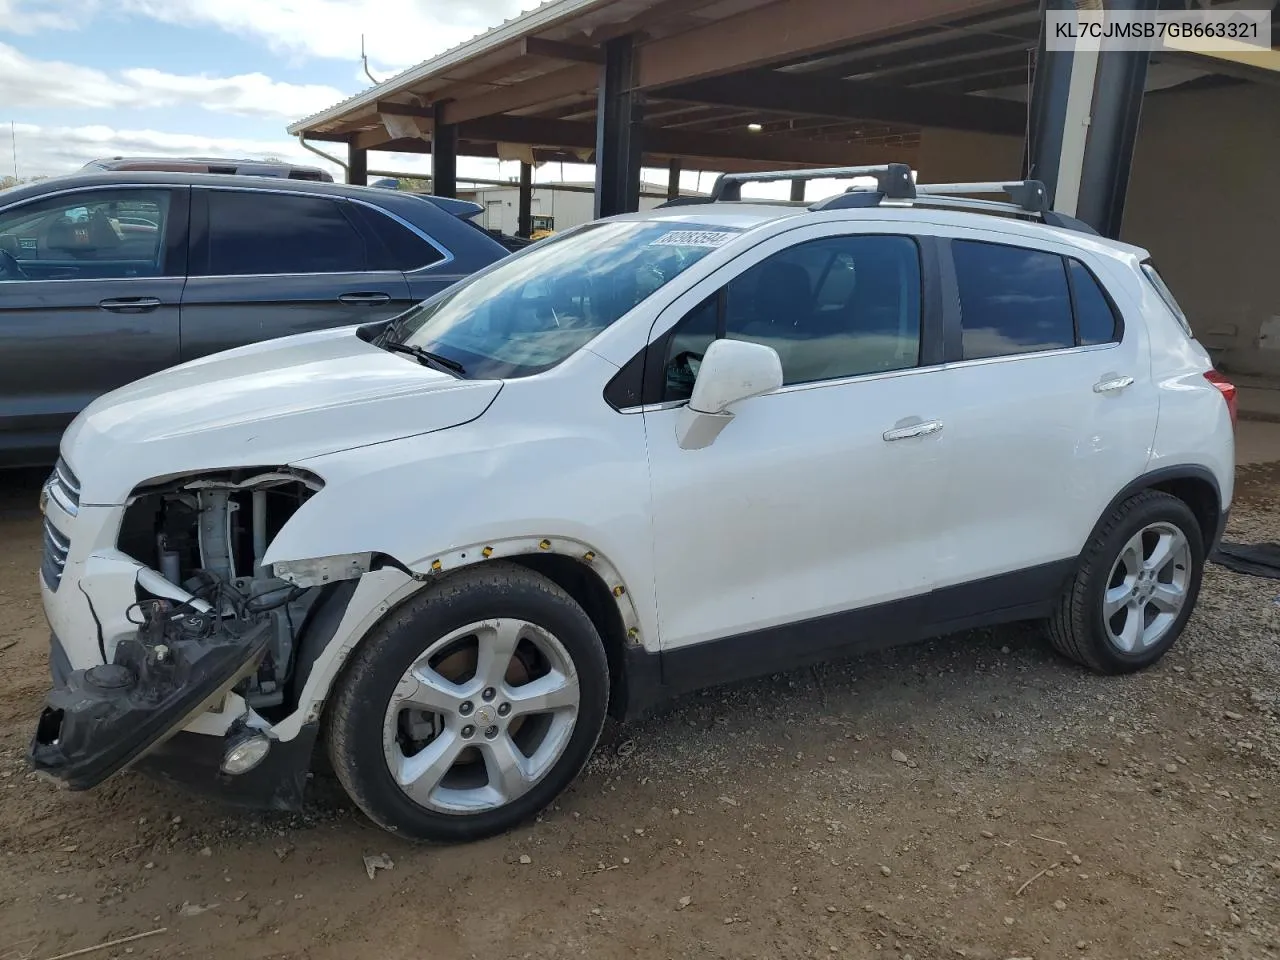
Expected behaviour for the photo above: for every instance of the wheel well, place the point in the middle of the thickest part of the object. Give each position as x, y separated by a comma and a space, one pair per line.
1201, 496
592, 594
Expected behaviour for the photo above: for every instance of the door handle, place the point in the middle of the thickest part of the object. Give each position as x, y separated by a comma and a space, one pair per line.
365, 298
914, 430
1114, 385
130, 304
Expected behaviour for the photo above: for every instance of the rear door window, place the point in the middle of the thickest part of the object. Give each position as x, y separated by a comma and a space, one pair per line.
1012, 300
255, 233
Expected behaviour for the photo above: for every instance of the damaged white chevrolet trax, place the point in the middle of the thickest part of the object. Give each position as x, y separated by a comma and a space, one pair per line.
653, 453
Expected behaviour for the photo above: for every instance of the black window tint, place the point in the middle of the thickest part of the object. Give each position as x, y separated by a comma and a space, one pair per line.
1012, 300
832, 308
252, 233
399, 247
1095, 320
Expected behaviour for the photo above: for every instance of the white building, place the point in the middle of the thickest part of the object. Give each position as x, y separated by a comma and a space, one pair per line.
552, 209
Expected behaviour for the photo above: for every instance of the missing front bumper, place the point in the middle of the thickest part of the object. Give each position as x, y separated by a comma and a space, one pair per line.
98, 721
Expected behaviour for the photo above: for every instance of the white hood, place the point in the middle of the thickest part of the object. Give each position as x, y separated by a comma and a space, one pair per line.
266, 404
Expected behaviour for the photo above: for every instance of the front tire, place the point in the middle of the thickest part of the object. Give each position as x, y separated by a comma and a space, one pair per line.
1136, 586
471, 706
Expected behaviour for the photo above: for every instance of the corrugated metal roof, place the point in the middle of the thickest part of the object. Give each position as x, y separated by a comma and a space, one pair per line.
539, 18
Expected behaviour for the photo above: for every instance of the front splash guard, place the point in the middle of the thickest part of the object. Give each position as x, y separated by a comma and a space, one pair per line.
106, 717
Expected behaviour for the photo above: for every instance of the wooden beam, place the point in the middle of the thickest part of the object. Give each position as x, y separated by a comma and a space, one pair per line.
688, 143
804, 95
393, 109
555, 50
790, 29
371, 139
536, 131
328, 137
580, 79
677, 143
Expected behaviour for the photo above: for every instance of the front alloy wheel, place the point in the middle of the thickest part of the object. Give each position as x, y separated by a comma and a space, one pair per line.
481, 717
471, 706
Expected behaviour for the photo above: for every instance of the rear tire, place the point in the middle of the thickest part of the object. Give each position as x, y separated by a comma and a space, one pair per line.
470, 707
1135, 588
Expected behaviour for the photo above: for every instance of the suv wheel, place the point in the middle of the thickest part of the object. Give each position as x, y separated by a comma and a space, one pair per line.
1135, 588
470, 707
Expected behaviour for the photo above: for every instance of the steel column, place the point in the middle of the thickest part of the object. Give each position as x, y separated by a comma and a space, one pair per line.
357, 165
1113, 131
618, 132
444, 156
1085, 107
525, 219
1050, 84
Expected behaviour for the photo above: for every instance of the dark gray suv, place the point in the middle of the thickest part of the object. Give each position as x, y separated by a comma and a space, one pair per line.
108, 277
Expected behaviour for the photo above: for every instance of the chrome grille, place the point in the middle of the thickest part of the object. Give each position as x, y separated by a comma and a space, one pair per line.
64, 486
56, 547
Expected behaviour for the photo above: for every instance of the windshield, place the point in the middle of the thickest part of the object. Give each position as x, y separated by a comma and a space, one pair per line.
532, 311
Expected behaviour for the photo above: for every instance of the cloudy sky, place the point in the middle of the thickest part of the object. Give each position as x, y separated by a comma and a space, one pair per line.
81, 79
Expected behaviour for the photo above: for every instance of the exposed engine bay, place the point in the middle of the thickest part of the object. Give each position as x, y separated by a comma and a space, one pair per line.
208, 536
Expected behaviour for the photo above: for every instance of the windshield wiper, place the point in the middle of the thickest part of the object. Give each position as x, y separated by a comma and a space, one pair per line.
426, 357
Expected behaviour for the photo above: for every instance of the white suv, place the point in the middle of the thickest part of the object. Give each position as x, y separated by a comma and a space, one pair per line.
653, 453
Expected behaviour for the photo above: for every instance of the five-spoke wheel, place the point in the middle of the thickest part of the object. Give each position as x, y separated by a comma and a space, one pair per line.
1135, 586
471, 706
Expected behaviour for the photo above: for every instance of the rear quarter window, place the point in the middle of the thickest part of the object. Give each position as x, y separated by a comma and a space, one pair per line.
1153, 277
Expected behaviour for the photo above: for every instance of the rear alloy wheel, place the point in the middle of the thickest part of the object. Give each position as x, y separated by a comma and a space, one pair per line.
471, 707
1136, 586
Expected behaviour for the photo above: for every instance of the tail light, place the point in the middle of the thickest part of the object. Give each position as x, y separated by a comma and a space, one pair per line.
1228, 391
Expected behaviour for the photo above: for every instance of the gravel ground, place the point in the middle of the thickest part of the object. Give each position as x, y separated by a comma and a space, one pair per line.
973, 797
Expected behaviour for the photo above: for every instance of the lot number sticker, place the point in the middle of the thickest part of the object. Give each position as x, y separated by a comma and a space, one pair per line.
693, 238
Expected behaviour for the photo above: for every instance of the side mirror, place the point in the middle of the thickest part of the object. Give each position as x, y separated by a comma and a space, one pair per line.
731, 371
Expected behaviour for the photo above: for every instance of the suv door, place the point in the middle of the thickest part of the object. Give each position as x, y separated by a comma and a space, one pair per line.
811, 515
1051, 412
90, 288
267, 263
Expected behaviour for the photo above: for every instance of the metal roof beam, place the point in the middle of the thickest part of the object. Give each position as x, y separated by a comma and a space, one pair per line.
571, 81
802, 95
790, 30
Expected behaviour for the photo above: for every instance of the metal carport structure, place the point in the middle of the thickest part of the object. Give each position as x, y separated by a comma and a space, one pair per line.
961, 89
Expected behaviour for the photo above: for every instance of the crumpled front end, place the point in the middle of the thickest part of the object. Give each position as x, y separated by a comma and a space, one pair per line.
166, 619
101, 719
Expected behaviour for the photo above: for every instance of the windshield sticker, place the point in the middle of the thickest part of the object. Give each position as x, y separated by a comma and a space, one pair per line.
693, 238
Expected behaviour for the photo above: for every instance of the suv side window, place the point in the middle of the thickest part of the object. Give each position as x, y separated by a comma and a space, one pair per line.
399, 247
269, 233
1096, 320
91, 235
832, 308
1012, 300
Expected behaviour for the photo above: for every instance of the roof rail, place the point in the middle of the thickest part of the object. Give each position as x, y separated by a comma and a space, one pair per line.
1026, 198
892, 179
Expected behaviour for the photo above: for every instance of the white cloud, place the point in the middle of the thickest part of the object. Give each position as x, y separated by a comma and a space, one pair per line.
397, 32
19, 17
52, 84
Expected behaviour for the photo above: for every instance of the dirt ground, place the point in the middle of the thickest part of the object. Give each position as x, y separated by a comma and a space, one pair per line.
1042, 812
